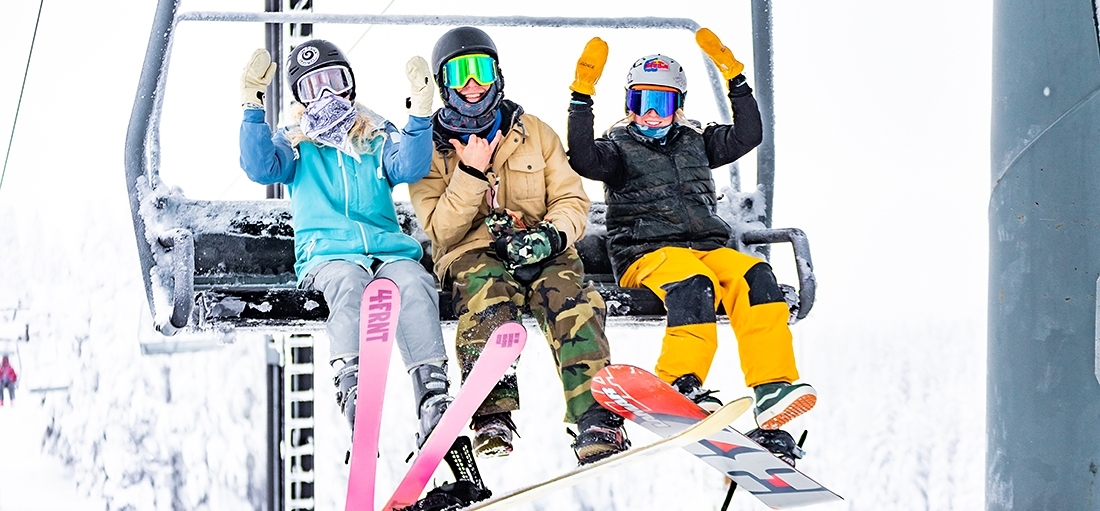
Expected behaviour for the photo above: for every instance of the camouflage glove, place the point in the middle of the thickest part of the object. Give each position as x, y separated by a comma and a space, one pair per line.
502, 222
590, 67
529, 246
719, 53
257, 74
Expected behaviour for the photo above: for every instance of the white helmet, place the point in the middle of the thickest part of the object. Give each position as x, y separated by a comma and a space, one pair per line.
657, 70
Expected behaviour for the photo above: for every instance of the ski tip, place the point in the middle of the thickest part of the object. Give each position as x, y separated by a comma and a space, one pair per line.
511, 334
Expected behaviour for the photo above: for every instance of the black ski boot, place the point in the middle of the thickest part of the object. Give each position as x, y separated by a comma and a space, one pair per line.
347, 389
779, 442
430, 394
599, 434
691, 387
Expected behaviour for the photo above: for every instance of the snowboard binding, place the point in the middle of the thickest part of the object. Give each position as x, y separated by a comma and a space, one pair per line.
468, 487
780, 443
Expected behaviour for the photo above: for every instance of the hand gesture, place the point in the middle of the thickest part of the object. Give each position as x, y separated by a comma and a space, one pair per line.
257, 75
590, 67
421, 87
719, 53
476, 152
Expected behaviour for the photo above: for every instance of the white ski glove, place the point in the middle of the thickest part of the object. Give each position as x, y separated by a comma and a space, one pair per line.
421, 87
257, 74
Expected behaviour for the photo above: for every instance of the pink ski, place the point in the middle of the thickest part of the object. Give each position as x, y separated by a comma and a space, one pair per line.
502, 348
377, 328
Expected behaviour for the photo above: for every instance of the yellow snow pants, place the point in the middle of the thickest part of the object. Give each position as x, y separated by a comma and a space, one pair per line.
744, 285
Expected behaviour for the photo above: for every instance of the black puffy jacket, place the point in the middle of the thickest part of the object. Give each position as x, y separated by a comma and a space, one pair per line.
661, 193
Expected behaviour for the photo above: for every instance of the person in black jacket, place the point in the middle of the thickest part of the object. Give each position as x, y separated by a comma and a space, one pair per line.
663, 232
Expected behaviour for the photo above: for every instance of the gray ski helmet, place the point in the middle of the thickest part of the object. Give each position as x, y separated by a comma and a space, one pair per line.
659, 70
461, 41
311, 55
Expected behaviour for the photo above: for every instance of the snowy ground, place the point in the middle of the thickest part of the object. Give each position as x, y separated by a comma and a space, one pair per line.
882, 158
30, 476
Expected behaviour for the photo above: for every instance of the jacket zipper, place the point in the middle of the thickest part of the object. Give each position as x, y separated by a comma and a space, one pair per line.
680, 195
343, 173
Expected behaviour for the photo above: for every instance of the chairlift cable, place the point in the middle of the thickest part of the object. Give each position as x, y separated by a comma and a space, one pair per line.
369, 27
19, 103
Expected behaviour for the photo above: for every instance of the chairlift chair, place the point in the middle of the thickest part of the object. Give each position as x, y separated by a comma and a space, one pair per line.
228, 265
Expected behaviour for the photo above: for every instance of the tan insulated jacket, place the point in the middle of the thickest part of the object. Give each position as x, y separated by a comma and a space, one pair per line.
533, 179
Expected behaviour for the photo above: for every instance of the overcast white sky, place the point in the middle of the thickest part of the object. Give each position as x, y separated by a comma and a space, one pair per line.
882, 140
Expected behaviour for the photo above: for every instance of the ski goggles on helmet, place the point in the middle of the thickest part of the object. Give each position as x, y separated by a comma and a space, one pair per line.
459, 70
335, 79
664, 102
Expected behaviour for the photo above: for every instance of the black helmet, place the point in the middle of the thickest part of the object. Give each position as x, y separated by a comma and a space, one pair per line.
314, 54
462, 41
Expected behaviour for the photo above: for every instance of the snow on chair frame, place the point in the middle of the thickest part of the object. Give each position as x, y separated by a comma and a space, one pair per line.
230, 264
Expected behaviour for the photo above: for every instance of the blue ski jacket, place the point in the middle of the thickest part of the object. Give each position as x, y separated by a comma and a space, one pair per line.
342, 209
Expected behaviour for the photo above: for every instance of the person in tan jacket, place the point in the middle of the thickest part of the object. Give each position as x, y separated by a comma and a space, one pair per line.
502, 208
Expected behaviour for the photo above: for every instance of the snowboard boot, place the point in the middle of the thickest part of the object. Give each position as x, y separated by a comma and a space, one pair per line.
777, 403
450, 497
690, 386
467, 488
778, 442
493, 434
347, 387
599, 434
430, 394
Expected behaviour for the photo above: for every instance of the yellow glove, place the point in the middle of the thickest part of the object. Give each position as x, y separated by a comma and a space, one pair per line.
257, 74
590, 67
719, 53
421, 87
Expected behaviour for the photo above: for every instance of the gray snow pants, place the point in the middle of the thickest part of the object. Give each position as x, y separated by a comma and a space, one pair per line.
10, 386
419, 337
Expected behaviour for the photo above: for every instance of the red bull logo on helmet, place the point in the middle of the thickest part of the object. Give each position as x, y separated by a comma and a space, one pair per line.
654, 65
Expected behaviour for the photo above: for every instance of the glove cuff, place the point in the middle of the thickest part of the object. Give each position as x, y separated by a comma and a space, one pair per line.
556, 237
472, 171
739, 87
581, 98
583, 88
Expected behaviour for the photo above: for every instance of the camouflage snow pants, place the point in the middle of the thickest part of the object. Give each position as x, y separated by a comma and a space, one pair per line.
570, 314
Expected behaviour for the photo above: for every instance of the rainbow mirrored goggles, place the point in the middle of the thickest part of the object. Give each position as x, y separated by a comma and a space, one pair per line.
664, 102
335, 79
459, 70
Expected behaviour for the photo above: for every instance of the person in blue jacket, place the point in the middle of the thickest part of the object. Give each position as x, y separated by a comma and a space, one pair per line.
340, 162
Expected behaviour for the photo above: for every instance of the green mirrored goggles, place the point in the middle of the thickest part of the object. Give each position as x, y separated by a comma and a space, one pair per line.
459, 70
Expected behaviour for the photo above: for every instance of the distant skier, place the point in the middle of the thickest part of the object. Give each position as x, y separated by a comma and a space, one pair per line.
340, 162
8, 380
663, 232
503, 209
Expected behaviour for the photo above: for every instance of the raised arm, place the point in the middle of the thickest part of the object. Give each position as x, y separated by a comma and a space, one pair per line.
595, 159
265, 158
598, 160
726, 143
408, 153
566, 203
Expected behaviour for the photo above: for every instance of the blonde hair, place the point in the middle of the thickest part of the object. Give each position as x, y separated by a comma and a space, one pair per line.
368, 126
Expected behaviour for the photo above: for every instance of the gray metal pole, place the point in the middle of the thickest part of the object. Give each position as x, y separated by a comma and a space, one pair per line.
764, 90
273, 41
139, 143
1043, 398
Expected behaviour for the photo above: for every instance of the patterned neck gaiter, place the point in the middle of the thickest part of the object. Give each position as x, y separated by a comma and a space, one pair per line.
464, 117
328, 121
